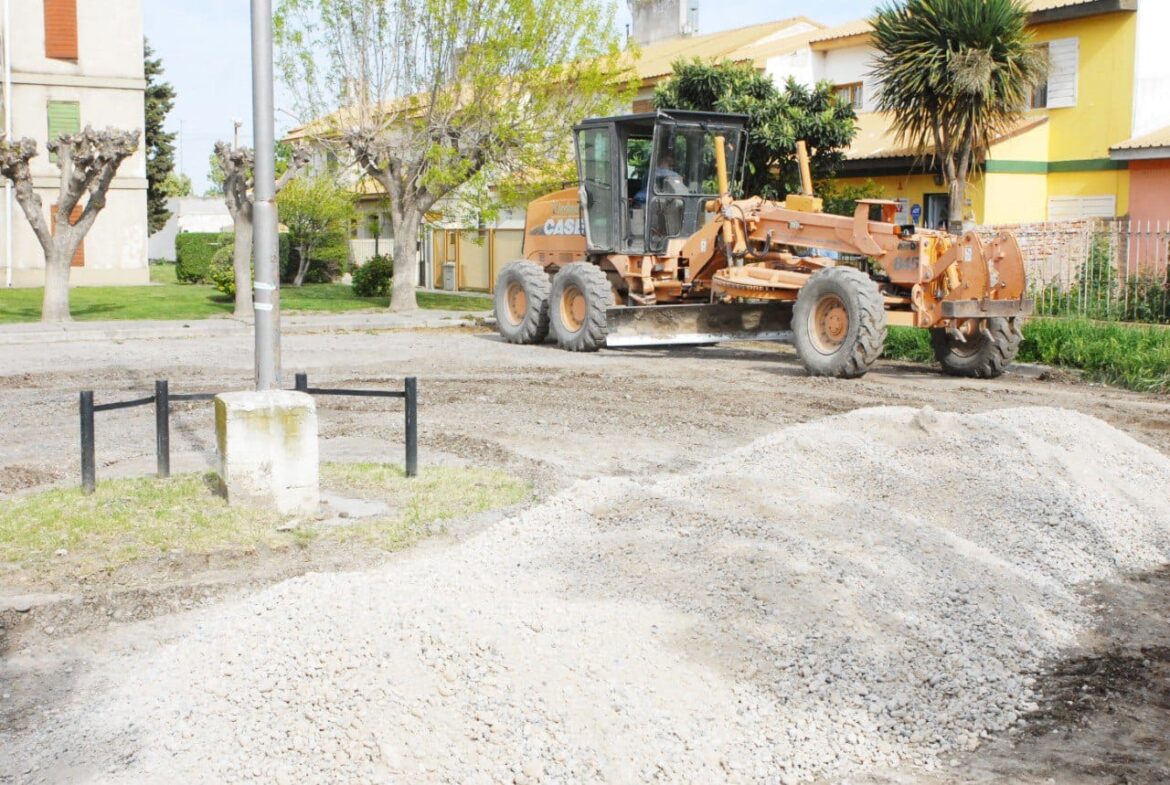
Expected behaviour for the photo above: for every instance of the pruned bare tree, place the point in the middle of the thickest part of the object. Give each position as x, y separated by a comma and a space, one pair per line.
237, 164
430, 97
88, 161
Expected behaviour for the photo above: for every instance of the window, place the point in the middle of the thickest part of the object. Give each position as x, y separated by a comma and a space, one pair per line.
1071, 208
643, 106
686, 161
61, 29
64, 118
853, 92
593, 148
1059, 89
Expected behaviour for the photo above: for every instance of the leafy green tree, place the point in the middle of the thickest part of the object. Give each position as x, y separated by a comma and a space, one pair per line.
842, 198
426, 97
313, 209
177, 185
776, 120
955, 74
160, 145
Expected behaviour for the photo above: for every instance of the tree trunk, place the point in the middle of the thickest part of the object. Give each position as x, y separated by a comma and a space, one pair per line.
242, 262
55, 307
302, 265
958, 195
402, 295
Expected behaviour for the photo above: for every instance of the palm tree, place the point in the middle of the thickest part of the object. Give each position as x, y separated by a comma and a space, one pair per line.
956, 75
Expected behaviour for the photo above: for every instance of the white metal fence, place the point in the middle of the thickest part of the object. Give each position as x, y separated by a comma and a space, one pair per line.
1110, 269
361, 251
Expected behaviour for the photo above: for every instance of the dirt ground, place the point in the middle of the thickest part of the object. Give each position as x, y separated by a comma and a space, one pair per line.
552, 417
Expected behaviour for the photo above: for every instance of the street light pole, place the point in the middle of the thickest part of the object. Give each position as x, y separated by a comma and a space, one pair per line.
264, 216
8, 136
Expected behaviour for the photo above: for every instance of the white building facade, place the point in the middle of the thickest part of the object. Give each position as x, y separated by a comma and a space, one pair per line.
189, 214
74, 63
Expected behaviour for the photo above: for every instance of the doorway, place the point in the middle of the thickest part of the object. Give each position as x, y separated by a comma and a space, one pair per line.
936, 209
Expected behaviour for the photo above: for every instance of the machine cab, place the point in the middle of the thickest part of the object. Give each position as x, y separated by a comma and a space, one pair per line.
646, 178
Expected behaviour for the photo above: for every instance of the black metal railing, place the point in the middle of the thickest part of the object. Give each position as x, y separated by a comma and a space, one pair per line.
409, 394
163, 398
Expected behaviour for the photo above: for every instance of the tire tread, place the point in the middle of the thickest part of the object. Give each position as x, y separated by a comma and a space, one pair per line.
598, 297
993, 357
872, 327
535, 327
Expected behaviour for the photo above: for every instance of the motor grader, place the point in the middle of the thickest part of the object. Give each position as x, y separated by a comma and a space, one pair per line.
653, 248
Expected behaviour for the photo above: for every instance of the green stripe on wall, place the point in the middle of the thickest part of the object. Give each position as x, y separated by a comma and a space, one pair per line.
1089, 165
1016, 167
1054, 167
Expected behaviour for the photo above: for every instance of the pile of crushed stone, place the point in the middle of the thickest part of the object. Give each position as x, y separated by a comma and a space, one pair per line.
846, 596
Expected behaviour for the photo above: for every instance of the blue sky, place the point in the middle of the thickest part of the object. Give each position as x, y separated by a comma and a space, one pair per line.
205, 48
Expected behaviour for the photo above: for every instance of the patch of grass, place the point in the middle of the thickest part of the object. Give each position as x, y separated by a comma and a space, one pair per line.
127, 519
908, 343
163, 272
1137, 358
1123, 355
130, 519
438, 494
454, 302
171, 301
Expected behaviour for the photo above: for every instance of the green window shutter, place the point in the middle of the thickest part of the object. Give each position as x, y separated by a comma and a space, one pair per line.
64, 118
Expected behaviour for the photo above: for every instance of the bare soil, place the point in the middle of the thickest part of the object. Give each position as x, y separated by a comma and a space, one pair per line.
552, 417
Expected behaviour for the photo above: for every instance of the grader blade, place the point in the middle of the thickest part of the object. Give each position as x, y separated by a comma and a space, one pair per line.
677, 325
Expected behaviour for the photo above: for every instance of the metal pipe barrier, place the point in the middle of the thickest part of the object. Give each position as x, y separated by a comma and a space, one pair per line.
163, 398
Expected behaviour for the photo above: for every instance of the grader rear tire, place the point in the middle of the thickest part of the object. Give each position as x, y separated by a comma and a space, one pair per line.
580, 295
980, 357
522, 303
839, 323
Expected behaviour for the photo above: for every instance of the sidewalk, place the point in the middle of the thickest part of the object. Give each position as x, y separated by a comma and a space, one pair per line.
291, 324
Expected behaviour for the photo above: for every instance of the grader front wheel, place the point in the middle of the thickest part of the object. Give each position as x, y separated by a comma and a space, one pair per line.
580, 295
985, 354
839, 323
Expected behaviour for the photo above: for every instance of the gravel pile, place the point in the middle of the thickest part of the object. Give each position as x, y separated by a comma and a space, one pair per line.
867, 591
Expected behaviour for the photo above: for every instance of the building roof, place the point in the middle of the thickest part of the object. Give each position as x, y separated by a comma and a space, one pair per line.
1155, 144
1037, 6
876, 139
755, 44
857, 27
1041, 11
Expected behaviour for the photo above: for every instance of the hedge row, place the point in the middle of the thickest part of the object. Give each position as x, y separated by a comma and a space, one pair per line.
195, 250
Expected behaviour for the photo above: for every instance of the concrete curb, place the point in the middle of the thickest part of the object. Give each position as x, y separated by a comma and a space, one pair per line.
37, 333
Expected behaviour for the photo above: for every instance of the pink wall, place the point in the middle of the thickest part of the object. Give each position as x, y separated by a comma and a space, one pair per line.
1149, 212
1149, 191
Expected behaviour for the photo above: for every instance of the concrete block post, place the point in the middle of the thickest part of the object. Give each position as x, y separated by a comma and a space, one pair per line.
267, 444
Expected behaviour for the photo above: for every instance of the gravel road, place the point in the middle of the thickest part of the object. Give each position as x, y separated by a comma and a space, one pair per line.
736, 574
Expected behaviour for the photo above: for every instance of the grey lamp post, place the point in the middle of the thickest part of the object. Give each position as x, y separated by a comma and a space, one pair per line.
264, 216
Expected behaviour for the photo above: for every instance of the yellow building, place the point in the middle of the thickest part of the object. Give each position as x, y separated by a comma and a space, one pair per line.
1108, 78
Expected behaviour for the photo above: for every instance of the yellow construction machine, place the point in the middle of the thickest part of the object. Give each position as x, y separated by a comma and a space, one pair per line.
653, 248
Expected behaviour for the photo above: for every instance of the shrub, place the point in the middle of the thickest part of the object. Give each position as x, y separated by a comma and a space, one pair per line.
373, 278
221, 273
841, 198
193, 253
328, 261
